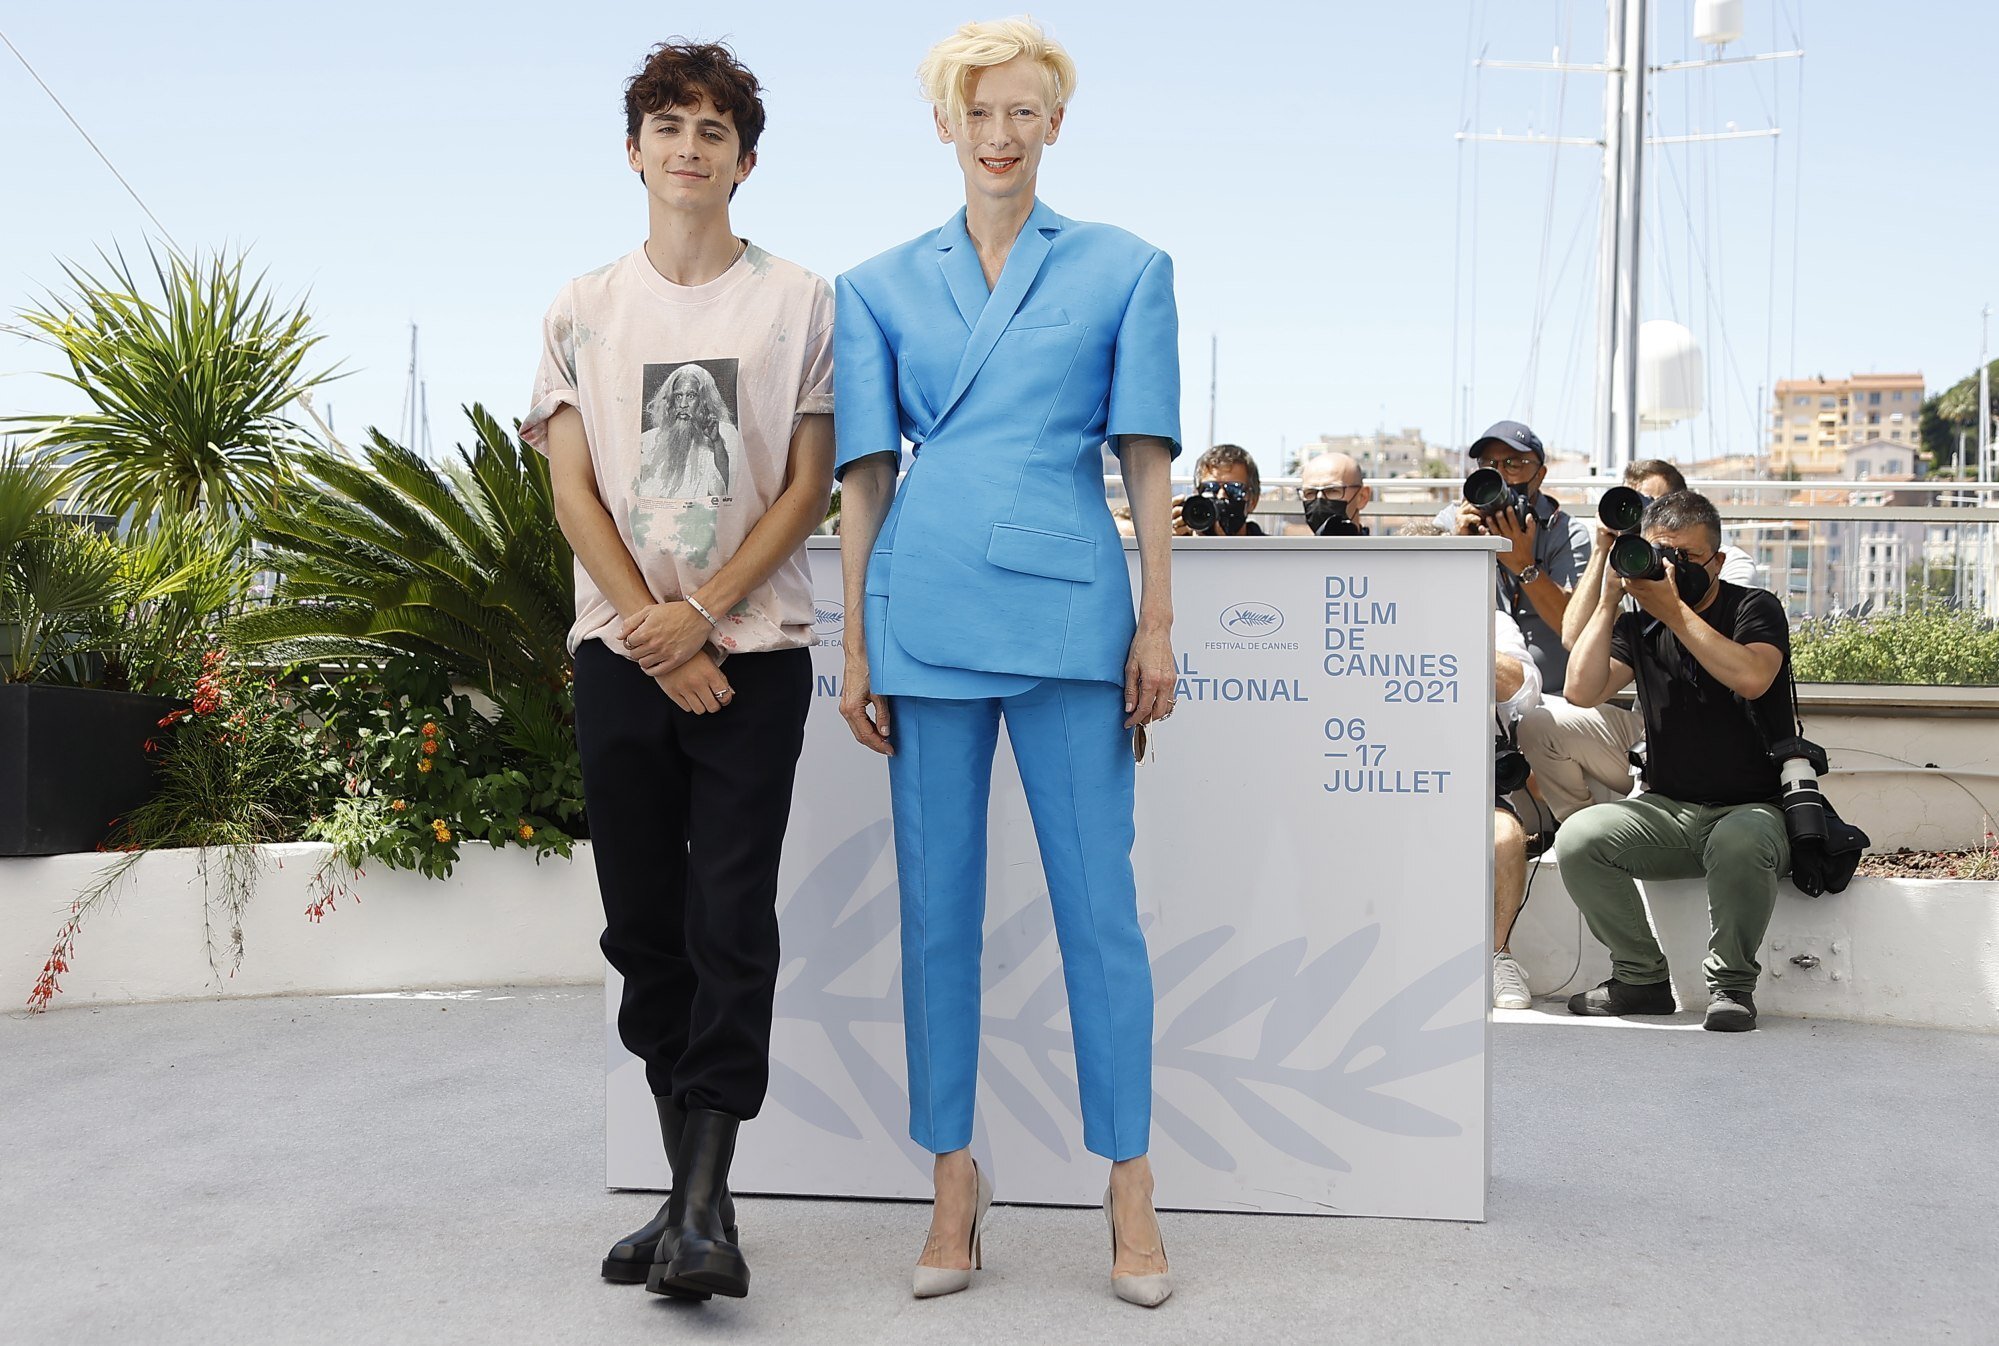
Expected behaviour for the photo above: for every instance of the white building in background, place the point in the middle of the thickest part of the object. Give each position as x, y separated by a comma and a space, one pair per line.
1379, 454
1852, 565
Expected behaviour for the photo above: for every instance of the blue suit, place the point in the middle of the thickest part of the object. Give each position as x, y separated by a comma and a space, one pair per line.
997, 589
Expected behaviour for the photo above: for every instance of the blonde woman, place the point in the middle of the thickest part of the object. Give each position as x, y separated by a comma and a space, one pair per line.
1010, 346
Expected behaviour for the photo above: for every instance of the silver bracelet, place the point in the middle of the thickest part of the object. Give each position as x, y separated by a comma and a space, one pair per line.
695, 603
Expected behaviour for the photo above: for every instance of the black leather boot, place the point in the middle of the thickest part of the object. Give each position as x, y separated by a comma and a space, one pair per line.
705, 1257
631, 1259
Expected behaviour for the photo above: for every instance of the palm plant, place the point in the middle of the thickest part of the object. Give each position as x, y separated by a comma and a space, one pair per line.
189, 392
464, 569
181, 579
135, 602
55, 575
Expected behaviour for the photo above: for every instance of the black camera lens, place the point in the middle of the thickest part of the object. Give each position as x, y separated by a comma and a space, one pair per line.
1198, 513
1486, 489
1636, 559
1621, 510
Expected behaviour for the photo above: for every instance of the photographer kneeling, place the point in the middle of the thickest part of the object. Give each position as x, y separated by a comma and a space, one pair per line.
1710, 660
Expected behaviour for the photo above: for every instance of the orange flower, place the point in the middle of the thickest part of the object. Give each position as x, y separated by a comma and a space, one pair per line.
399, 804
429, 747
526, 832
440, 830
430, 729
425, 766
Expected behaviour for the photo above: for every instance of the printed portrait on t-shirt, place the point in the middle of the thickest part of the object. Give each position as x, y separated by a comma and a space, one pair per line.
690, 445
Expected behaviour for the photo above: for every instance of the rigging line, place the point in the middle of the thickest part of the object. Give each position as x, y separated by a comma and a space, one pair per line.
1546, 311
129, 189
1584, 312
1764, 431
1797, 169
1712, 243
1662, 252
1707, 282
1471, 304
1458, 214
1542, 301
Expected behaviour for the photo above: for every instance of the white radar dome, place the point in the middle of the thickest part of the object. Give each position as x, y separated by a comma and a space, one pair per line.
1717, 22
1669, 375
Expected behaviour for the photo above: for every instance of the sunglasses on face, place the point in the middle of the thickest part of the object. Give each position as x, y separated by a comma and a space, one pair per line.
1311, 493
1234, 490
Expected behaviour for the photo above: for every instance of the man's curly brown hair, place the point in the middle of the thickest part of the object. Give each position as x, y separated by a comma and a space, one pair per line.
676, 74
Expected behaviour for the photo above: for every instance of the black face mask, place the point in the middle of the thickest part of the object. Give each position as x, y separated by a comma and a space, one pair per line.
1689, 580
1327, 518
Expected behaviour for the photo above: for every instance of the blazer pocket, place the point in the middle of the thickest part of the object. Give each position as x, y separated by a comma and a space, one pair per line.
877, 577
1034, 551
1040, 317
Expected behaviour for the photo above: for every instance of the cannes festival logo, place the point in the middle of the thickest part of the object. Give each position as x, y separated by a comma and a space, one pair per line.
1255, 620
828, 618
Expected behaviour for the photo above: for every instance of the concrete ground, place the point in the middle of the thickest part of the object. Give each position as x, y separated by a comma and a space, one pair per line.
429, 1171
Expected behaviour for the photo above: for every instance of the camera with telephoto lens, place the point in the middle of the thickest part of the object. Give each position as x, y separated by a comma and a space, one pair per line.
1509, 766
1489, 493
1216, 507
1637, 558
1800, 763
1621, 510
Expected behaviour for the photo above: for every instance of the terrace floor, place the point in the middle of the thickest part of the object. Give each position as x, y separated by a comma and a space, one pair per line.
429, 1171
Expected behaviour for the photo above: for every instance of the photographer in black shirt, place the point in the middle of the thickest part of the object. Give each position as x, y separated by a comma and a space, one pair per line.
1711, 662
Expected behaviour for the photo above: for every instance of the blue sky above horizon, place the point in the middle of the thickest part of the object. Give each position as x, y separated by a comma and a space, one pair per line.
451, 167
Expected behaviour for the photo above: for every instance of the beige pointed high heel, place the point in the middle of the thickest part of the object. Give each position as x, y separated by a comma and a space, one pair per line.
1148, 1292
930, 1282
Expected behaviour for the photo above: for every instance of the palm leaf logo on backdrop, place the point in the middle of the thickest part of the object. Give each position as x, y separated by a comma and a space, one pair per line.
832, 933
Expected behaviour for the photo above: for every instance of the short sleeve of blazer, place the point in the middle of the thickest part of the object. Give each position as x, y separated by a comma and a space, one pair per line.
866, 409
1145, 371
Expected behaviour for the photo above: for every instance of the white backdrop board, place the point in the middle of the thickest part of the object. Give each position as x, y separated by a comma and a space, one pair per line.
1314, 874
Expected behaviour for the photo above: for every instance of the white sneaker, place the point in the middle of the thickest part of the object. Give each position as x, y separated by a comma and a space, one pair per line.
1509, 984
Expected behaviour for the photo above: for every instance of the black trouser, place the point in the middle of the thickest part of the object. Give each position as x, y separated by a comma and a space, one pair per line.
687, 815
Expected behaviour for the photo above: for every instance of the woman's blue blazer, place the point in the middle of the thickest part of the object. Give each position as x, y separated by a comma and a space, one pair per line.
999, 554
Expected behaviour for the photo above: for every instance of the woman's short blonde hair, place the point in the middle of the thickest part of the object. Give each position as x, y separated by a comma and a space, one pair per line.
946, 73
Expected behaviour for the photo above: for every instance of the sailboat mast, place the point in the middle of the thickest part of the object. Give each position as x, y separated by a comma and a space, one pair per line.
1630, 211
1615, 427
1608, 235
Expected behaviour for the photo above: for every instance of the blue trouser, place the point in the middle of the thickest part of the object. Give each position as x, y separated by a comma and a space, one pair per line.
1075, 760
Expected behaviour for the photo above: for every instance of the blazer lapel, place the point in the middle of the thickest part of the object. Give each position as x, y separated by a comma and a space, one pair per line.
1023, 265
959, 261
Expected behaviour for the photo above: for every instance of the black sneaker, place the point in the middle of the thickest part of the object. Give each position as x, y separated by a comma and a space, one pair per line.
1730, 1011
1616, 997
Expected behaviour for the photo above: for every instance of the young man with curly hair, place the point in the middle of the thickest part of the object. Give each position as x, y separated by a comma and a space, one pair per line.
684, 400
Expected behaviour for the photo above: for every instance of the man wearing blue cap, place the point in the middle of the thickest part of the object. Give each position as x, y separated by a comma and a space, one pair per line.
1549, 548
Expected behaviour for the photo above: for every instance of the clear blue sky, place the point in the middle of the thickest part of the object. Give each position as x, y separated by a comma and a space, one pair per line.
454, 165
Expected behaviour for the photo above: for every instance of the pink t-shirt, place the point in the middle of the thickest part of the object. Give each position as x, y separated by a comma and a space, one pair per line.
689, 396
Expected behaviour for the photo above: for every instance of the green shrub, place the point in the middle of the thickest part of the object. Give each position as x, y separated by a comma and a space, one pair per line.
406, 770
1941, 647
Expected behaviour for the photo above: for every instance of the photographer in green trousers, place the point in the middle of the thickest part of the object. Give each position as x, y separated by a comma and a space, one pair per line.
1710, 659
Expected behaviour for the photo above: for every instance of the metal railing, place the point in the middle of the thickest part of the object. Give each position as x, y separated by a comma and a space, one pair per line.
1827, 549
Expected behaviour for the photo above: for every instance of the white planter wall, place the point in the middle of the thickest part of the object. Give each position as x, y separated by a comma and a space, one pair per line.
1912, 952
500, 919
1915, 952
